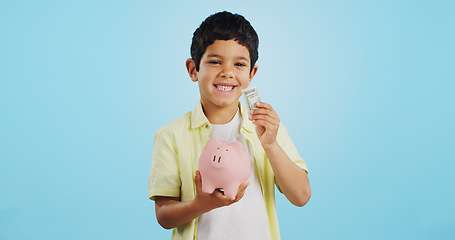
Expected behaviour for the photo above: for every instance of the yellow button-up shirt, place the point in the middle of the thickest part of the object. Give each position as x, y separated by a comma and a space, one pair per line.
175, 159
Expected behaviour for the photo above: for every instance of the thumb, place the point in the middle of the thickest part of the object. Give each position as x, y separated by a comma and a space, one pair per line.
198, 180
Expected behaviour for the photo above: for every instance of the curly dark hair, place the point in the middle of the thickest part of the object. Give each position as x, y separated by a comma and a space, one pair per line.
224, 26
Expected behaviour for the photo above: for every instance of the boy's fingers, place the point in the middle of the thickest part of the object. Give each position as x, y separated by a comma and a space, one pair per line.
264, 112
263, 121
266, 124
241, 191
239, 196
264, 105
221, 197
263, 109
243, 186
265, 118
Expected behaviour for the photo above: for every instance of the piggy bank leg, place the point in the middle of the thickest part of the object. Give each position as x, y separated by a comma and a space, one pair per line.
207, 188
231, 191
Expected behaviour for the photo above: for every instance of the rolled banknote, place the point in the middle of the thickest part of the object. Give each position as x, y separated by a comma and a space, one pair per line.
251, 96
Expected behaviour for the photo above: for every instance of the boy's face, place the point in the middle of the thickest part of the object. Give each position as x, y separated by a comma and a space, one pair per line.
224, 71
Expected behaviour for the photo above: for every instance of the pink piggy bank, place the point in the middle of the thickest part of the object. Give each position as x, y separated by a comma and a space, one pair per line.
223, 165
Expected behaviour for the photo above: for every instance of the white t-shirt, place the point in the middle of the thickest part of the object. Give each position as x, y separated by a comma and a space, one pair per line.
245, 219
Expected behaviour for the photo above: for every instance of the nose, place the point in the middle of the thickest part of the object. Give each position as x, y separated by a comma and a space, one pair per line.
217, 161
216, 158
228, 72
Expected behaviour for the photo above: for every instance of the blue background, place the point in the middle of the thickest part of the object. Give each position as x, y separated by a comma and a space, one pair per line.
365, 88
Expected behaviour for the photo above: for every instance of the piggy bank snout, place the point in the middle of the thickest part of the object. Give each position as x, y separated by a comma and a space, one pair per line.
218, 158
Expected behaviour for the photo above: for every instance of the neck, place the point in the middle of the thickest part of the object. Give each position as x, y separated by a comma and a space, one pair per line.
220, 115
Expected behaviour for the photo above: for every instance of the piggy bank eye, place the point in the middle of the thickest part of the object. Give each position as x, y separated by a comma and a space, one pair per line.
217, 148
227, 150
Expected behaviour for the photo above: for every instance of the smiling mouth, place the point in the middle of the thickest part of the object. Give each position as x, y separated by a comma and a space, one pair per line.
224, 88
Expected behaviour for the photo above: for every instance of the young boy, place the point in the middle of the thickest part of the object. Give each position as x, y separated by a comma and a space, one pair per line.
223, 57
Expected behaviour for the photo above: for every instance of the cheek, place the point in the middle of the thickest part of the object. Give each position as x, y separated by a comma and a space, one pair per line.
206, 76
244, 78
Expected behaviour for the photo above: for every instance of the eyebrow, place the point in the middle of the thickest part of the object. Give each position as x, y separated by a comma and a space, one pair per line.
218, 56
243, 58
213, 55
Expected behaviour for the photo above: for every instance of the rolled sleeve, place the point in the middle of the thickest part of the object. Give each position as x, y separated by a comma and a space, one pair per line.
164, 179
288, 146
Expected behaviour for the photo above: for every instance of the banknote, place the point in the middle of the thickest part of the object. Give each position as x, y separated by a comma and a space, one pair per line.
251, 96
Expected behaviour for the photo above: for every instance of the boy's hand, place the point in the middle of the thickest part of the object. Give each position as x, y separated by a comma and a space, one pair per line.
267, 123
208, 202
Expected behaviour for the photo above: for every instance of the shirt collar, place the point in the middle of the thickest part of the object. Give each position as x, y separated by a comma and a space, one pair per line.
199, 119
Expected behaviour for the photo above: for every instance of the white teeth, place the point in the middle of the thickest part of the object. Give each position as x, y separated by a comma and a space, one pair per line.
225, 88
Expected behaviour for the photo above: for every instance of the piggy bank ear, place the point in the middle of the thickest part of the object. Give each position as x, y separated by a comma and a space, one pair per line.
213, 142
236, 146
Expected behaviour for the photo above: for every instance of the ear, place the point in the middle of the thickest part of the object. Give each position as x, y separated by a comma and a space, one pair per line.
236, 145
191, 68
253, 72
213, 141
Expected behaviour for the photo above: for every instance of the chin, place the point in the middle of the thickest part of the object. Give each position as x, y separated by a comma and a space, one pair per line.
226, 103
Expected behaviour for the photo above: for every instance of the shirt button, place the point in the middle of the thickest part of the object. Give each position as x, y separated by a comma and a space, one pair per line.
207, 126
